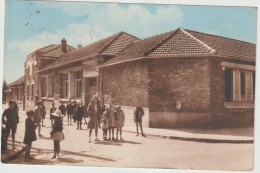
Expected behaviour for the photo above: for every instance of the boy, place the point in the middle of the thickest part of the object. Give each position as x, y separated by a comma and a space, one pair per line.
63, 110
29, 135
70, 111
37, 117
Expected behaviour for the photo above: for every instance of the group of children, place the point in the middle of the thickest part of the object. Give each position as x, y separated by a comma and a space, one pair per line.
112, 118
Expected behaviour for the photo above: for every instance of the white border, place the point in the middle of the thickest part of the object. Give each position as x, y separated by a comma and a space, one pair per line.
68, 169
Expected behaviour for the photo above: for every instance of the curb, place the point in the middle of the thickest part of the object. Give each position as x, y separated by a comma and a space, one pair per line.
14, 156
207, 140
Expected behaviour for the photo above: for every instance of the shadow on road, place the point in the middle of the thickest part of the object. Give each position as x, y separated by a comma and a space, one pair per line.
129, 142
107, 143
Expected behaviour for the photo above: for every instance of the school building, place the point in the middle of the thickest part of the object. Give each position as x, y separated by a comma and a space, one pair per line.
181, 78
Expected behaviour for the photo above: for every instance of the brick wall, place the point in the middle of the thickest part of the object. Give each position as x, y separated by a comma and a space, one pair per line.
184, 79
226, 117
126, 83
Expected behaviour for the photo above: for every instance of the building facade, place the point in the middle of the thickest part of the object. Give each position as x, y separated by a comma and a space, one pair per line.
181, 78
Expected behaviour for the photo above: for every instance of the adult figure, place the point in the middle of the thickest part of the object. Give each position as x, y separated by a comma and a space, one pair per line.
11, 121
43, 112
62, 109
94, 111
70, 111
138, 115
111, 120
37, 117
56, 133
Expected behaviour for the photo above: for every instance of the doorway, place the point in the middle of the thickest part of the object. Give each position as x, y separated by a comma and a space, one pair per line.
90, 88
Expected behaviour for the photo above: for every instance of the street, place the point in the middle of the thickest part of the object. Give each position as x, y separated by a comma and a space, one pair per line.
135, 151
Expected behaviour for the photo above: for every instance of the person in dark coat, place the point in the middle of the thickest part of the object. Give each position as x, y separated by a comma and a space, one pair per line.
70, 111
29, 135
94, 111
62, 108
56, 133
12, 119
74, 115
79, 112
43, 112
52, 110
37, 117
138, 115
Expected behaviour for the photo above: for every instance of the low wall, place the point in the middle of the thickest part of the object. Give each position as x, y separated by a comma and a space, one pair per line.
129, 113
179, 120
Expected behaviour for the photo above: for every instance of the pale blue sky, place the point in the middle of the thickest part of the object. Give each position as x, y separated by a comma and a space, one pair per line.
30, 25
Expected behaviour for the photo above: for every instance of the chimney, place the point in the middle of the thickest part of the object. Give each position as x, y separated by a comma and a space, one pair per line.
80, 45
64, 45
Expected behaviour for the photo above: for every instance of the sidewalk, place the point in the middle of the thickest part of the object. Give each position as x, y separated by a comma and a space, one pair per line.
201, 135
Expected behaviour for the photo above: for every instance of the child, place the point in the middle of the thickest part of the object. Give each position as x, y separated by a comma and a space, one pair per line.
105, 125
29, 135
62, 109
119, 121
52, 110
79, 115
56, 133
70, 111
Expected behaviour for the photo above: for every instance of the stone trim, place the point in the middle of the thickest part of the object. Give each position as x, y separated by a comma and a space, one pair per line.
237, 66
231, 105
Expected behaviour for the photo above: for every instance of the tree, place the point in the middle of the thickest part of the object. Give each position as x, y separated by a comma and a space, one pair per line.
4, 87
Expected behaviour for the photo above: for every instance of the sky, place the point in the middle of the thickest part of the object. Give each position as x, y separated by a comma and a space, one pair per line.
30, 25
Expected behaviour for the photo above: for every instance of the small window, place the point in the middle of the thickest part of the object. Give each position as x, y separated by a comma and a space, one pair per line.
228, 84
242, 83
93, 82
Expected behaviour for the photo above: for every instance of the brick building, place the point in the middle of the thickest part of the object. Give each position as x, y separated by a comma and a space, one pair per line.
181, 78
184, 79
75, 76
35, 61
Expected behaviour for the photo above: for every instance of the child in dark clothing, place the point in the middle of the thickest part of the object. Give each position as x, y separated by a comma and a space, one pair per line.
79, 115
29, 135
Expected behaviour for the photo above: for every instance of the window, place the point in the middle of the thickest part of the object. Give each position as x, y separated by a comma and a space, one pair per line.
28, 91
65, 85
32, 89
93, 82
77, 83
43, 87
239, 85
228, 84
51, 85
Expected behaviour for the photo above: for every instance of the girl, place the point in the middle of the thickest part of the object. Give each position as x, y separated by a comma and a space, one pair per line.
56, 133
94, 110
105, 125
119, 121
29, 135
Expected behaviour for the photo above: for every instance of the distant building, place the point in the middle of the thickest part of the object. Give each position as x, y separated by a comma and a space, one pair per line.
15, 92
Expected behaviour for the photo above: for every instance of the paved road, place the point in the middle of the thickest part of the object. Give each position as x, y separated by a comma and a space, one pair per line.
137, 152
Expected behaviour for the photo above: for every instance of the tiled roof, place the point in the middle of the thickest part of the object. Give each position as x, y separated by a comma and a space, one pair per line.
181, 42
53, 50
111, 45
17, 82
